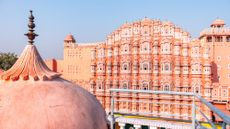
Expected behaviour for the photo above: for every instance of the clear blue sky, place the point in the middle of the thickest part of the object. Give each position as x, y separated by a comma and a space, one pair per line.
92, 20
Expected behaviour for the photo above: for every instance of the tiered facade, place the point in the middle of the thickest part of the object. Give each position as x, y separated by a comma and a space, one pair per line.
150, 55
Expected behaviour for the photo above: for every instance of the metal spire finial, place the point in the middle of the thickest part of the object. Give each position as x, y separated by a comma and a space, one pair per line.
31, 35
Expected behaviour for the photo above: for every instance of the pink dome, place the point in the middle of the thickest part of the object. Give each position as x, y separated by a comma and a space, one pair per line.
69, 37
217, 22
34, 97
56, 104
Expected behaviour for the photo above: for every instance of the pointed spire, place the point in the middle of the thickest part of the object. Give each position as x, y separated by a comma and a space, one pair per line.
30, 65
31, 35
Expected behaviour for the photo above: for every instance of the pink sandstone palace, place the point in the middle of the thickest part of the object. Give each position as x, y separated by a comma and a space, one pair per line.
152, 55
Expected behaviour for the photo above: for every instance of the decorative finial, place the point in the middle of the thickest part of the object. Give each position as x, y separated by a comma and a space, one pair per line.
31, 35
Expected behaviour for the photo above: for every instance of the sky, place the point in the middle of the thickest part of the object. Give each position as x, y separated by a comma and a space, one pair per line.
92, 20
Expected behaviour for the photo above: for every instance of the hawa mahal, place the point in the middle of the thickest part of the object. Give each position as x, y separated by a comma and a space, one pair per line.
152, 55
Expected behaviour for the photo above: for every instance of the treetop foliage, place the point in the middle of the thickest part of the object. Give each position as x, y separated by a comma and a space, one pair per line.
7, 60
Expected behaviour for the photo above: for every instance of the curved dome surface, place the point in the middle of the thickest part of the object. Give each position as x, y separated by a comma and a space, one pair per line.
218, 22
56, 104
69, 37
34, 97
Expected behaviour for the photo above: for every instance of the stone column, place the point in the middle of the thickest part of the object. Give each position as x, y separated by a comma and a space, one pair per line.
137, 126
122, 125
152, 127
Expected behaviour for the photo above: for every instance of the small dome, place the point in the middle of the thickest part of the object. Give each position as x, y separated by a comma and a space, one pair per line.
218, 22
69, 38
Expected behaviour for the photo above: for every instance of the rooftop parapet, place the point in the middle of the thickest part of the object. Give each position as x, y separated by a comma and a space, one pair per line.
215, 31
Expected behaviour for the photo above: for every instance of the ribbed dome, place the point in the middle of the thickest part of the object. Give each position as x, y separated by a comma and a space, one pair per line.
50, 103
34, 97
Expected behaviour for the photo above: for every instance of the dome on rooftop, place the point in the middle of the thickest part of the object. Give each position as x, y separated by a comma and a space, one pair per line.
218, 22
69, 38
34, 97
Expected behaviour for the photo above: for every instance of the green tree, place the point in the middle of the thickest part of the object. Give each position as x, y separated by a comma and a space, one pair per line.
7, 60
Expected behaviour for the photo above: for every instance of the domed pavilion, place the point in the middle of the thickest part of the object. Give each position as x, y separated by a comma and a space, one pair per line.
34, 97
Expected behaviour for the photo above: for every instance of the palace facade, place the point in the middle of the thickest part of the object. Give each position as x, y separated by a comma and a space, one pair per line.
152, 55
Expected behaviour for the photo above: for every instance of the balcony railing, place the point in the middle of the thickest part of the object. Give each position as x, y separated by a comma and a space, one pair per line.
196, 111
217, 31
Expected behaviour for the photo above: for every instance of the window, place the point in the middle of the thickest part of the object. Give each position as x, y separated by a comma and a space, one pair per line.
224, 93
125, 66
125, 86
186, 89
228, 39
145, 86
109, 67
145, 66
126, 48
155, 67
99, 85
145, 47
196, 68
100, 53
166, 88
209, 39
196, 89
100, 67
166, 67
215, 92
166, 107
166, 48
218, 39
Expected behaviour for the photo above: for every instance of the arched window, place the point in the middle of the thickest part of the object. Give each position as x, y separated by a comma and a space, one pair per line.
100, 66
197, 89
125, 86
145, 66
166, 87
125, 66
196, 68
145, 86
99, 85
166, 67
145, 47
126, 48
166, 48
